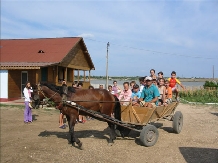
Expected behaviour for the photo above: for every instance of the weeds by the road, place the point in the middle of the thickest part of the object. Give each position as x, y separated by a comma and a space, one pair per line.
200, 96
11, 106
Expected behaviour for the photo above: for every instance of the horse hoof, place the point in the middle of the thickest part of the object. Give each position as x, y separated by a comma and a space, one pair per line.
81, 148
80, 145
110, 144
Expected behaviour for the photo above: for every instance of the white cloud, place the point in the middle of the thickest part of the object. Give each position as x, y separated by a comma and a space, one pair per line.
181, 27
86, 35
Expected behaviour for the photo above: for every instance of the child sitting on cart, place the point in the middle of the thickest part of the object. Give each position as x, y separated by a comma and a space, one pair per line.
136, 94
162, 91
168, 92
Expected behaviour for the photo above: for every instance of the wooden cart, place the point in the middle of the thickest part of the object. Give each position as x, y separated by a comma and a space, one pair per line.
142, 117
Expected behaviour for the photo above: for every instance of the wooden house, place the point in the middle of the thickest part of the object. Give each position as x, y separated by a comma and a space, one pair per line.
45, 59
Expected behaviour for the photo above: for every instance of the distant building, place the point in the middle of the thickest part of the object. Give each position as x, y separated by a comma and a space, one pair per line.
45, 59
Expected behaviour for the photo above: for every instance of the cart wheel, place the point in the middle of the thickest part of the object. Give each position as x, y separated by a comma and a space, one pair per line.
149, 135
178, 122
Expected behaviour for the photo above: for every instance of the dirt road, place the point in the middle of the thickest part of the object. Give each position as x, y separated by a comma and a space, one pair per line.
43, 141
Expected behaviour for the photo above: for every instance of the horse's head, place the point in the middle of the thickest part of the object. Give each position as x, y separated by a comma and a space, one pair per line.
45, 91
36, 96
50, 92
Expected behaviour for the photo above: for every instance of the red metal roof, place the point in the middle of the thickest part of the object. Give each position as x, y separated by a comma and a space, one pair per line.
26, 50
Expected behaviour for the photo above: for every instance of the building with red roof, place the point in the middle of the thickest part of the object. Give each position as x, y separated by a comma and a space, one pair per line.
43, 59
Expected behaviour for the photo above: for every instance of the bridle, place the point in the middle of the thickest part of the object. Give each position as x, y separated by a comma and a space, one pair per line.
41, 91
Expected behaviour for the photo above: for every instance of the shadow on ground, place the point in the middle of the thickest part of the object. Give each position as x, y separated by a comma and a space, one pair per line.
34, 117
215, 114
89, 134
199, 155
79, 134
160, 126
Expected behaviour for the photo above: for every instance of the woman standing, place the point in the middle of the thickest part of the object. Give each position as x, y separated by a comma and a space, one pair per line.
152, 72
116, 89
27, 111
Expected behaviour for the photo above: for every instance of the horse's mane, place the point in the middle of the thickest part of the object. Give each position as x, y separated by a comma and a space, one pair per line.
58, 89
71, 89
51, 86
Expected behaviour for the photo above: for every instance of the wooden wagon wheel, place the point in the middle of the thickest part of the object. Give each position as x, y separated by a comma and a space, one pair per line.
149, 135
177, 122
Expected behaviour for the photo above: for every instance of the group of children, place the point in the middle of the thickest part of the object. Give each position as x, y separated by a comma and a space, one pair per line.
166, 88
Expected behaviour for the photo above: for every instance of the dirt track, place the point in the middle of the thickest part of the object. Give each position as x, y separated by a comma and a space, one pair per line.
43, 141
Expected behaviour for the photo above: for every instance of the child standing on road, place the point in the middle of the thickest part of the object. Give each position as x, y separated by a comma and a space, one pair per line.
61, 116
81, 117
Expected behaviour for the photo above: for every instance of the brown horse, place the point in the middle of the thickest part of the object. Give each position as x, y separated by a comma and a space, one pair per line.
94, 99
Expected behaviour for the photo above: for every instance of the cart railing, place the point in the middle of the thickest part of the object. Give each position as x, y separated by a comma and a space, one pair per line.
143, 115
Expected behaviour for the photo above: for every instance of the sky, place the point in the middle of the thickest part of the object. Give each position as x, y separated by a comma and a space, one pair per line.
165, 35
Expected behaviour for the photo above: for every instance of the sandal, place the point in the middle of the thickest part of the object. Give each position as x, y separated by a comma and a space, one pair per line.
61, 126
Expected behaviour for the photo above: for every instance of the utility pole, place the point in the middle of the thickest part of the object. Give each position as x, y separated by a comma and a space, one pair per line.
107, 66
213, 72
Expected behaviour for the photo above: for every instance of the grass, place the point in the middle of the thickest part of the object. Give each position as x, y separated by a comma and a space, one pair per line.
12, 106
200, 96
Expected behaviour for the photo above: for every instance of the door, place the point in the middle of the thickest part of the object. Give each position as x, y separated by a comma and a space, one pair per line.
24, 79
44, 73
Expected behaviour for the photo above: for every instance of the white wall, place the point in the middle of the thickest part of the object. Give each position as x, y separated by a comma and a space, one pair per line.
3, 83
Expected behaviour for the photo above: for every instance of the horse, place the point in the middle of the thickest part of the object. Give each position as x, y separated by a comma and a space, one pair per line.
94, 99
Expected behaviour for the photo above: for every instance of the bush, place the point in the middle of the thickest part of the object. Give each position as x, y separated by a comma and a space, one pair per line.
201, 95
210, 84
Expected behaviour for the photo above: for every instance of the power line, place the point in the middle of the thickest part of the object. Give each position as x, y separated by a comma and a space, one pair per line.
153, 51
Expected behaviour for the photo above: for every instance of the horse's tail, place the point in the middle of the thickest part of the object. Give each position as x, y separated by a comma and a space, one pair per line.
117, 109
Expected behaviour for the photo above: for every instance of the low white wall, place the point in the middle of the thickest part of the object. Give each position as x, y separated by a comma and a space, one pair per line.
3, 83
97, 85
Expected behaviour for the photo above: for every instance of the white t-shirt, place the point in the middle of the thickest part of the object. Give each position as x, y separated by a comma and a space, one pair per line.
26, 93
141, 87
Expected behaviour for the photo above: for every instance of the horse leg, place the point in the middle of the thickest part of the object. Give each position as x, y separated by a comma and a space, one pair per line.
112, 134
73, 138
68, 121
